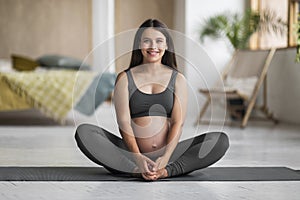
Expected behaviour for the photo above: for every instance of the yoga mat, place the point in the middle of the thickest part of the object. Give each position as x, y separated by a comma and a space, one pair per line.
100, 174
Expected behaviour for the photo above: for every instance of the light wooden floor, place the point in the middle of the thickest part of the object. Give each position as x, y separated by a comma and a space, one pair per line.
260, 144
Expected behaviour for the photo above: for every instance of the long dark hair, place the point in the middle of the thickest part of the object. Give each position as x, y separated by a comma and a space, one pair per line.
168, 58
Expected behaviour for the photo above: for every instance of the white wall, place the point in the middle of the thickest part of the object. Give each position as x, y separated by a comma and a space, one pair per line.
208, 58
103, 31
284, 86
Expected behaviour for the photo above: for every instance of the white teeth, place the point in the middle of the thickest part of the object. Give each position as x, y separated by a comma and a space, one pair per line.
153, 51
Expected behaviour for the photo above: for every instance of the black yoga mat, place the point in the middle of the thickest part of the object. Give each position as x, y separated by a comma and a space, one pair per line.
100, 174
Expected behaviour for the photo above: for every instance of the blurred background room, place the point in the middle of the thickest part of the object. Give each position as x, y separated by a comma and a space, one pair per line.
59, 60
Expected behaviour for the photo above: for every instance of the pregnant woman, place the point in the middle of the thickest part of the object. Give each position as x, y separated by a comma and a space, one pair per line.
150, 99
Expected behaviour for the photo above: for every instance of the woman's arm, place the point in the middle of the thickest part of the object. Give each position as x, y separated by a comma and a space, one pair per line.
121, 102
123, 113
177, 119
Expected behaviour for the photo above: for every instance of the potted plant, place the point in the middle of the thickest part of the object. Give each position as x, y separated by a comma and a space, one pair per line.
238, 28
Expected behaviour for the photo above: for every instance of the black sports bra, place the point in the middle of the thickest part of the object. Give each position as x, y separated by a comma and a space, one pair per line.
158, 104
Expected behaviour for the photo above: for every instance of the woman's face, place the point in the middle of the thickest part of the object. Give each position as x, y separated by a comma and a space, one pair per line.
153, 45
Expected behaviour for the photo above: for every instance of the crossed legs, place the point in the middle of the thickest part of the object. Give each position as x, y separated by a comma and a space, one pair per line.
110, 151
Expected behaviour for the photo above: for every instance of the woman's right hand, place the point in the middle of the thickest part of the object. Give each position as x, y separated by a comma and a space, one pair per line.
146, 165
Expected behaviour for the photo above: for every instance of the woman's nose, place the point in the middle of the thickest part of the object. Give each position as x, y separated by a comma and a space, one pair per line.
153, 45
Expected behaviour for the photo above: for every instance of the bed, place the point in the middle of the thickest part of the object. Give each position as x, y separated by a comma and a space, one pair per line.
54, 92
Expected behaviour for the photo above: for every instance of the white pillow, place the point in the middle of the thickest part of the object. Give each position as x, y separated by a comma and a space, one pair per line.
5, 65
244, 86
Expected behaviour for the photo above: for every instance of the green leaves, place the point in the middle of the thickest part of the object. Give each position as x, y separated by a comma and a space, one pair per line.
298, 41
215, 27
239, 28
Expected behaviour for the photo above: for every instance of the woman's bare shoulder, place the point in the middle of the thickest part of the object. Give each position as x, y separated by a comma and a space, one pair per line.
181, 83
180, 77
121, 76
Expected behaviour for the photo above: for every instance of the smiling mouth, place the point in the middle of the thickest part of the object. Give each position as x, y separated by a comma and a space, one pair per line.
153, 52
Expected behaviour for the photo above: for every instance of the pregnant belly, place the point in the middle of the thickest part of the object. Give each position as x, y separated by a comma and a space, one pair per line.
151, 134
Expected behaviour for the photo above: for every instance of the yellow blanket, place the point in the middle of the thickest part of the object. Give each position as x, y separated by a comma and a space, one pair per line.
53, 92
9, 100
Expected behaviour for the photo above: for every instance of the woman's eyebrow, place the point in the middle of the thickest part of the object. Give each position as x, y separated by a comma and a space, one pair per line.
161, 38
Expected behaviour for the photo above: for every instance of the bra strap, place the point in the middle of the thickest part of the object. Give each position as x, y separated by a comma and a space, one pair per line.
172, 82
131, 84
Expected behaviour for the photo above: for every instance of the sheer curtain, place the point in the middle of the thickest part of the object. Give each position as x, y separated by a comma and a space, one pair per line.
266, 40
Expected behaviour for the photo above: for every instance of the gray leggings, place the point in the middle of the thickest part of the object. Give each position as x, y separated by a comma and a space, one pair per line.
110, 151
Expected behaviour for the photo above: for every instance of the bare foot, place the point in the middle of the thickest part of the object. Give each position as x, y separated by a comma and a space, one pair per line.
162, 173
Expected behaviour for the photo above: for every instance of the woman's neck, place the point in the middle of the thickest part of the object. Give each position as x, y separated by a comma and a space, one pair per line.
152, 68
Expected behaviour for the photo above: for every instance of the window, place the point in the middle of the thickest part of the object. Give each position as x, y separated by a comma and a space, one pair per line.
288, 11
293, 20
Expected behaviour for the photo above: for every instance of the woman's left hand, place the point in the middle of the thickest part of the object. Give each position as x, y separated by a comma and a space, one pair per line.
161, 162
158, 171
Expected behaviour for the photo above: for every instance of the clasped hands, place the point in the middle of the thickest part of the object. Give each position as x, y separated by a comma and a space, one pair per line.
151, 170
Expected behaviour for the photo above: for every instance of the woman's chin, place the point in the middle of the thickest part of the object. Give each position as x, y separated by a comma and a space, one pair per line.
153, 60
